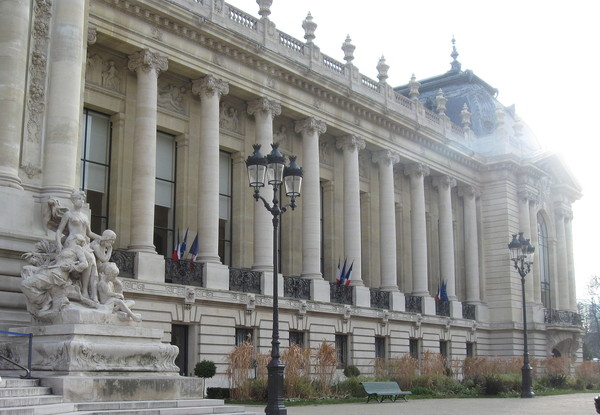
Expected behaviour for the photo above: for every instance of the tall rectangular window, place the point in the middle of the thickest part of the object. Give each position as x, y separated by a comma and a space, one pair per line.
470, 349
164, 201
444, 348
243, 335
95, 166
380, 352
341, 349
225, 207
413, 347
297, 337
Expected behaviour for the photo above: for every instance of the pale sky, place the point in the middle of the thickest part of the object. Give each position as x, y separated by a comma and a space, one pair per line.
542, 56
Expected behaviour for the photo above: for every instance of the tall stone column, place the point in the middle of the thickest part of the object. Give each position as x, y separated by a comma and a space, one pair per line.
147, 65
469, 195
444, 185
536, 272
570, 262
311, 129
525, 227
66, 62
562, 259
14, 39
387, 219
209, 89
351, 145
417, 173
263, 110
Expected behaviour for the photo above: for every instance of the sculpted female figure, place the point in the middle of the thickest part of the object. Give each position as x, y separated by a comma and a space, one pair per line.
75, 222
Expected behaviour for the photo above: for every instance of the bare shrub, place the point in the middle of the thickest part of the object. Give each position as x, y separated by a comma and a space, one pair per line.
589, 372
554, 366
402, 370
325, 365
240, 361
297, 371
433, 364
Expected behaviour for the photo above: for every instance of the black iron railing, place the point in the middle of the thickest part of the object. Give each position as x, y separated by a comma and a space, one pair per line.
244, 280
182, 271
296, 287
340, 293
125, 261
562, 317
442, 308
468, 311
380, 299
413, 304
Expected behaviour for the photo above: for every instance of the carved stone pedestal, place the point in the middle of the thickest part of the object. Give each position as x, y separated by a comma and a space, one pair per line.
90, 356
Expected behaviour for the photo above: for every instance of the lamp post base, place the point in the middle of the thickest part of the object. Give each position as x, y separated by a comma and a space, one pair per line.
275, 404
527, 383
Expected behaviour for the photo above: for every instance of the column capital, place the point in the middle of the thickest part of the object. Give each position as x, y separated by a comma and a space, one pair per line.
209, 86
527, 194
386, 157
264, 105
444, 182
562, 211
350, 142
310, 126
146, 60
416, 169
468, 191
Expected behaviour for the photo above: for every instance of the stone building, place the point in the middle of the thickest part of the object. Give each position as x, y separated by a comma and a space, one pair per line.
152, 108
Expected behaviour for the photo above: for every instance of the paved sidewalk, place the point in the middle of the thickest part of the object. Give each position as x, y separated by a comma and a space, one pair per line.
573, 404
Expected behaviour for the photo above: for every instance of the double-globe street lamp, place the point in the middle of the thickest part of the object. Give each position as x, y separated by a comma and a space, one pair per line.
521, 254
272, 168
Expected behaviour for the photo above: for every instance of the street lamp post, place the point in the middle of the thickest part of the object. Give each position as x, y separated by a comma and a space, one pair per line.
521, 254
273, 167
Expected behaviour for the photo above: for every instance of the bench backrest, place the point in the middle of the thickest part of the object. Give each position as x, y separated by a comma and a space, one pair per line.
381, 387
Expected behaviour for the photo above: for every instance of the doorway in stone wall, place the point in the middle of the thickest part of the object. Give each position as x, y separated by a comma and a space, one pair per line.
179, 338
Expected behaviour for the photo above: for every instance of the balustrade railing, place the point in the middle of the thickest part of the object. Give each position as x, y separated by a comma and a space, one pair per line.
562, 317
380, 299
468, 311
413, 304
291, 42
442, 308
244, 280
369, 83
184, 272
296, 287
340, 293
242, 18
333, 64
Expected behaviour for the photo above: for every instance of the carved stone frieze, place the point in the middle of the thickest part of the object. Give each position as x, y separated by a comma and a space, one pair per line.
283, 135
172, 97
36, 89
229, 118
365, 163
103, 71
326, 147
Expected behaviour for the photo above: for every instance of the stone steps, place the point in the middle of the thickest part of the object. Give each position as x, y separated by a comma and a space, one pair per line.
26, 397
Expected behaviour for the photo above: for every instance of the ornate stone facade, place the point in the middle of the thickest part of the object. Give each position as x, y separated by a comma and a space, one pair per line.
448, 175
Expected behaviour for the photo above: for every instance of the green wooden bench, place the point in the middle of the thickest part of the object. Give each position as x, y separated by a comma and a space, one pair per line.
382, 390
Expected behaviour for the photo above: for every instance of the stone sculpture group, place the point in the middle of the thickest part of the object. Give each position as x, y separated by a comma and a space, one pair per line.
75, 267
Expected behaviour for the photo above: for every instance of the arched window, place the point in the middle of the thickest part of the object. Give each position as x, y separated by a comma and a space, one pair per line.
544, 263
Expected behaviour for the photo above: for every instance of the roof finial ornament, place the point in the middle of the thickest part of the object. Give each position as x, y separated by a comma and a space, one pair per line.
454, 65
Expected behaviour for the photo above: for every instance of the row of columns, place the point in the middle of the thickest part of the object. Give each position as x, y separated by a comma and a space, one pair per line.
563, 280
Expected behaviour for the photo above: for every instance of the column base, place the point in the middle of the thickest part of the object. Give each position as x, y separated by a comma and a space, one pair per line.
266, 284
319, 290
428, 305
149, 267
361, 296
397, 301
456, 309
216, 276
